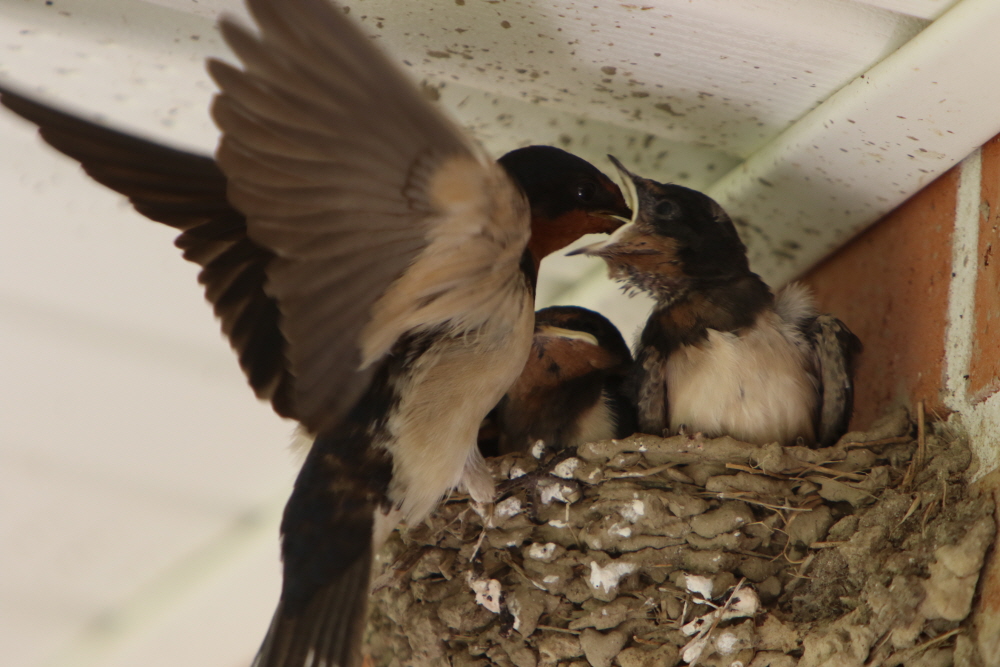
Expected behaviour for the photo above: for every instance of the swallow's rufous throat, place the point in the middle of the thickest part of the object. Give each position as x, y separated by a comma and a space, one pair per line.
373, 270
721, 354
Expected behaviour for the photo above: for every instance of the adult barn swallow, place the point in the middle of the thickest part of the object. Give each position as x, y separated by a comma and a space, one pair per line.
720, 353
570, 391
373, 270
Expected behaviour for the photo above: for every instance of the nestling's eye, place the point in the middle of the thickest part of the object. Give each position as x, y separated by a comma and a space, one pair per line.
665, 208
586, 191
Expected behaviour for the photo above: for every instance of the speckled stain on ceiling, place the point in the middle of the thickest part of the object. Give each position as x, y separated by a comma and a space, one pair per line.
747, 99
719, 75
681, 90
711, 80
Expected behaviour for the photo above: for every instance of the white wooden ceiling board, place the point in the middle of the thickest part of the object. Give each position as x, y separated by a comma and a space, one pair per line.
218, 624
727, 74
84, 277
924, 9
133, 65
209, 607
159, 89
504, 123
872, 145
861, 153
720, 73
104, 486
151, 79
76, 548
132, 420
129, 438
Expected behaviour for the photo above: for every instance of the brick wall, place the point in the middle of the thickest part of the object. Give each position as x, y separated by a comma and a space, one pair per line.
921, 288
890, 286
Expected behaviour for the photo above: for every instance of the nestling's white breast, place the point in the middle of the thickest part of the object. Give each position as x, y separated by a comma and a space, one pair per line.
757, 386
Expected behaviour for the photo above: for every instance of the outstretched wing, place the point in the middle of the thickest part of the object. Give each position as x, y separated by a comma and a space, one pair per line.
187, 192
835, 348
351, 178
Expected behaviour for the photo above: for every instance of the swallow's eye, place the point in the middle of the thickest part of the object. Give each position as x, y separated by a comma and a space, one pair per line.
665, 208
585, 191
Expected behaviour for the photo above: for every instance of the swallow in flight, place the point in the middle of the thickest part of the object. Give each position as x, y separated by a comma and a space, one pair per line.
374, 272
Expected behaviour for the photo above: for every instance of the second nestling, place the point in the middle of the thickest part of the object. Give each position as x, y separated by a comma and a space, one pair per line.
571, 390
721, 354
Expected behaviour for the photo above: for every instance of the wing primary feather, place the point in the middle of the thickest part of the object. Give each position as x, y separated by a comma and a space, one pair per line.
305, 41
187, 192
89, 142
356, 221
369, 120
260, 99
243, 286
204, 242
265, 136
266, 64
347, 242
264, 139
284, 170
218, 274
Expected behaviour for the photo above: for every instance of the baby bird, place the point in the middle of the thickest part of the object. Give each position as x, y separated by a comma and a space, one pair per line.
570, 391
720, 353
373, 270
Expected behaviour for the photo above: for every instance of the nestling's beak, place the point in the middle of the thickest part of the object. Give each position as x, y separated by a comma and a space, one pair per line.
628, 240
631, 196
615, 215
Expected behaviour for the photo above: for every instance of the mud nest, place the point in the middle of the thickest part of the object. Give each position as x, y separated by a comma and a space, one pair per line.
652, 551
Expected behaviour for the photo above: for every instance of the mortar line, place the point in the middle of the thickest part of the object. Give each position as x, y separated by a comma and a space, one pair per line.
962, 289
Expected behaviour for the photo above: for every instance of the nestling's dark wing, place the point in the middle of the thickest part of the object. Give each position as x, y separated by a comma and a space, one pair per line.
187, 192
626, 421
835, 348
646, 384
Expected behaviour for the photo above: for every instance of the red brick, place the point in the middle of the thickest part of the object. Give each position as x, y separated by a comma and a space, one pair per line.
890, 286
984, 371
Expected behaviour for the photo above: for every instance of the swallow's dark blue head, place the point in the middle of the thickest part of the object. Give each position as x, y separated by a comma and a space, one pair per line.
569, 197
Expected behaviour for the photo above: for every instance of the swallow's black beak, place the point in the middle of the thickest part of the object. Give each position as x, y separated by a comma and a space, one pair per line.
627, 239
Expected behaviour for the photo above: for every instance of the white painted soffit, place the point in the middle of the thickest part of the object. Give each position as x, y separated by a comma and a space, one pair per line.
806, 187
924, 9
857, 156
726, 75
870, 146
